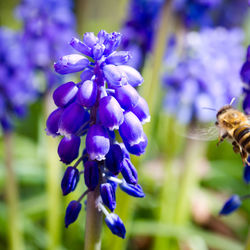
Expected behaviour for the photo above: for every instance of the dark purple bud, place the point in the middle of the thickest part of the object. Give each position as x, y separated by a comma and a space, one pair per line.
87, 94
90, 39
97, 142
72, 212
85, 156
133, 76
86, 75
110, 113
246, 174
116, 225
245, 72
69, 180
108, 195
73, 118
246, 104
118, 57
91, 174
131, 189
52, 124
80, 46
68, 149
131, 129
114, 159
128, 171
141, 110
231, 205
71, 63
127, 96
64, 94
124, 150
112, 75
139, 148
98, 50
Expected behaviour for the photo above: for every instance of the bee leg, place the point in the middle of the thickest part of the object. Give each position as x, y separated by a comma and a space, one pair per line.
244, 155
222, 138
236, 147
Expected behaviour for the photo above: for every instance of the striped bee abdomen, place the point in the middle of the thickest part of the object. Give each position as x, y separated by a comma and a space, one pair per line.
242, 136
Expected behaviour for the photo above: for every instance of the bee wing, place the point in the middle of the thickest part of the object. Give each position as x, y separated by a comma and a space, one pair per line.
203, 134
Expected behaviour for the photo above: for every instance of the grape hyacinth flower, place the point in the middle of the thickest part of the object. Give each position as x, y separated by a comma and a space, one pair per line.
102, 104
206, 74
47, 27
17, 82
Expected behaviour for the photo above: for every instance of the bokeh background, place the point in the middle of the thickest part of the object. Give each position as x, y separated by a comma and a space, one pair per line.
186, 181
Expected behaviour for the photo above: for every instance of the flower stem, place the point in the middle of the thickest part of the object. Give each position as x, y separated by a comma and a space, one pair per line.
247, 247
14, 230
93, 225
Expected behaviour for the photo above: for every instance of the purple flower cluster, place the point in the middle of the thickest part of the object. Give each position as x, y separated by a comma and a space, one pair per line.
139, 29
102, 104
204, 74
17, 82
47, 26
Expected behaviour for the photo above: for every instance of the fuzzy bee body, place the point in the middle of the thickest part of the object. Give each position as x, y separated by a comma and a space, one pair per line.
234, 125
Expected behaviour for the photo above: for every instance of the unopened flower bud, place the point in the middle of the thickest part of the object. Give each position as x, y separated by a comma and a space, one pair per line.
91, 174
116, 225
108, 195
131, 189
113, 75
232, 204
141, 110
246, 174
87, 94
134, 78
138, 148
72, 212
80, 46
118, 58
128, 171
69, 180
52, 124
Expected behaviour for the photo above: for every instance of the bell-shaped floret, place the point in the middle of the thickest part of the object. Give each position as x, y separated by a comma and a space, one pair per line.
110, 113
71, 63
52, 124
69, 180
97, 142
73, 118
114, 159
68, 149
72, 212
131, 189
90, 39
245, 72
87, 94
141, 110
87, 74
112, 75
128, 171
131, 129
118, 57
80, 46
116, 225
108, 195
64, 94
112, 42
134, 78
232, 204
127, 96
98, 50
91, 174
138, 148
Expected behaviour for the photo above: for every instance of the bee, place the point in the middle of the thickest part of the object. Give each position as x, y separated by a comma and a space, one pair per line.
233, 125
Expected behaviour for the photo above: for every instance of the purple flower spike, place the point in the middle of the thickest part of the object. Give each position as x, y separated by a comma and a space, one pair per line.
113, 75
116, 225
139, 148
118, 58
245, 72
134, 78
141, 110
131, 129
80, 46
87, 94
52, 124
246, 104
97, 142
110, 113
232, 204
70, 180
108, 196
68, 149
133, 190
64, 94
127, 96
72, 119
128, 171
72, 212
71, 63
114, 159
246, 174
91, 174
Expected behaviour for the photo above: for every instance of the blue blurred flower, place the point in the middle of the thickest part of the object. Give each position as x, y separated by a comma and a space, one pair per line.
103, 101
232, 204
47, 27
18, 86
205, 74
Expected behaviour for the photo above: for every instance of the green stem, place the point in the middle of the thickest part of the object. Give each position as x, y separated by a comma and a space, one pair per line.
14, 231
247, 247
93, 225
54, 220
